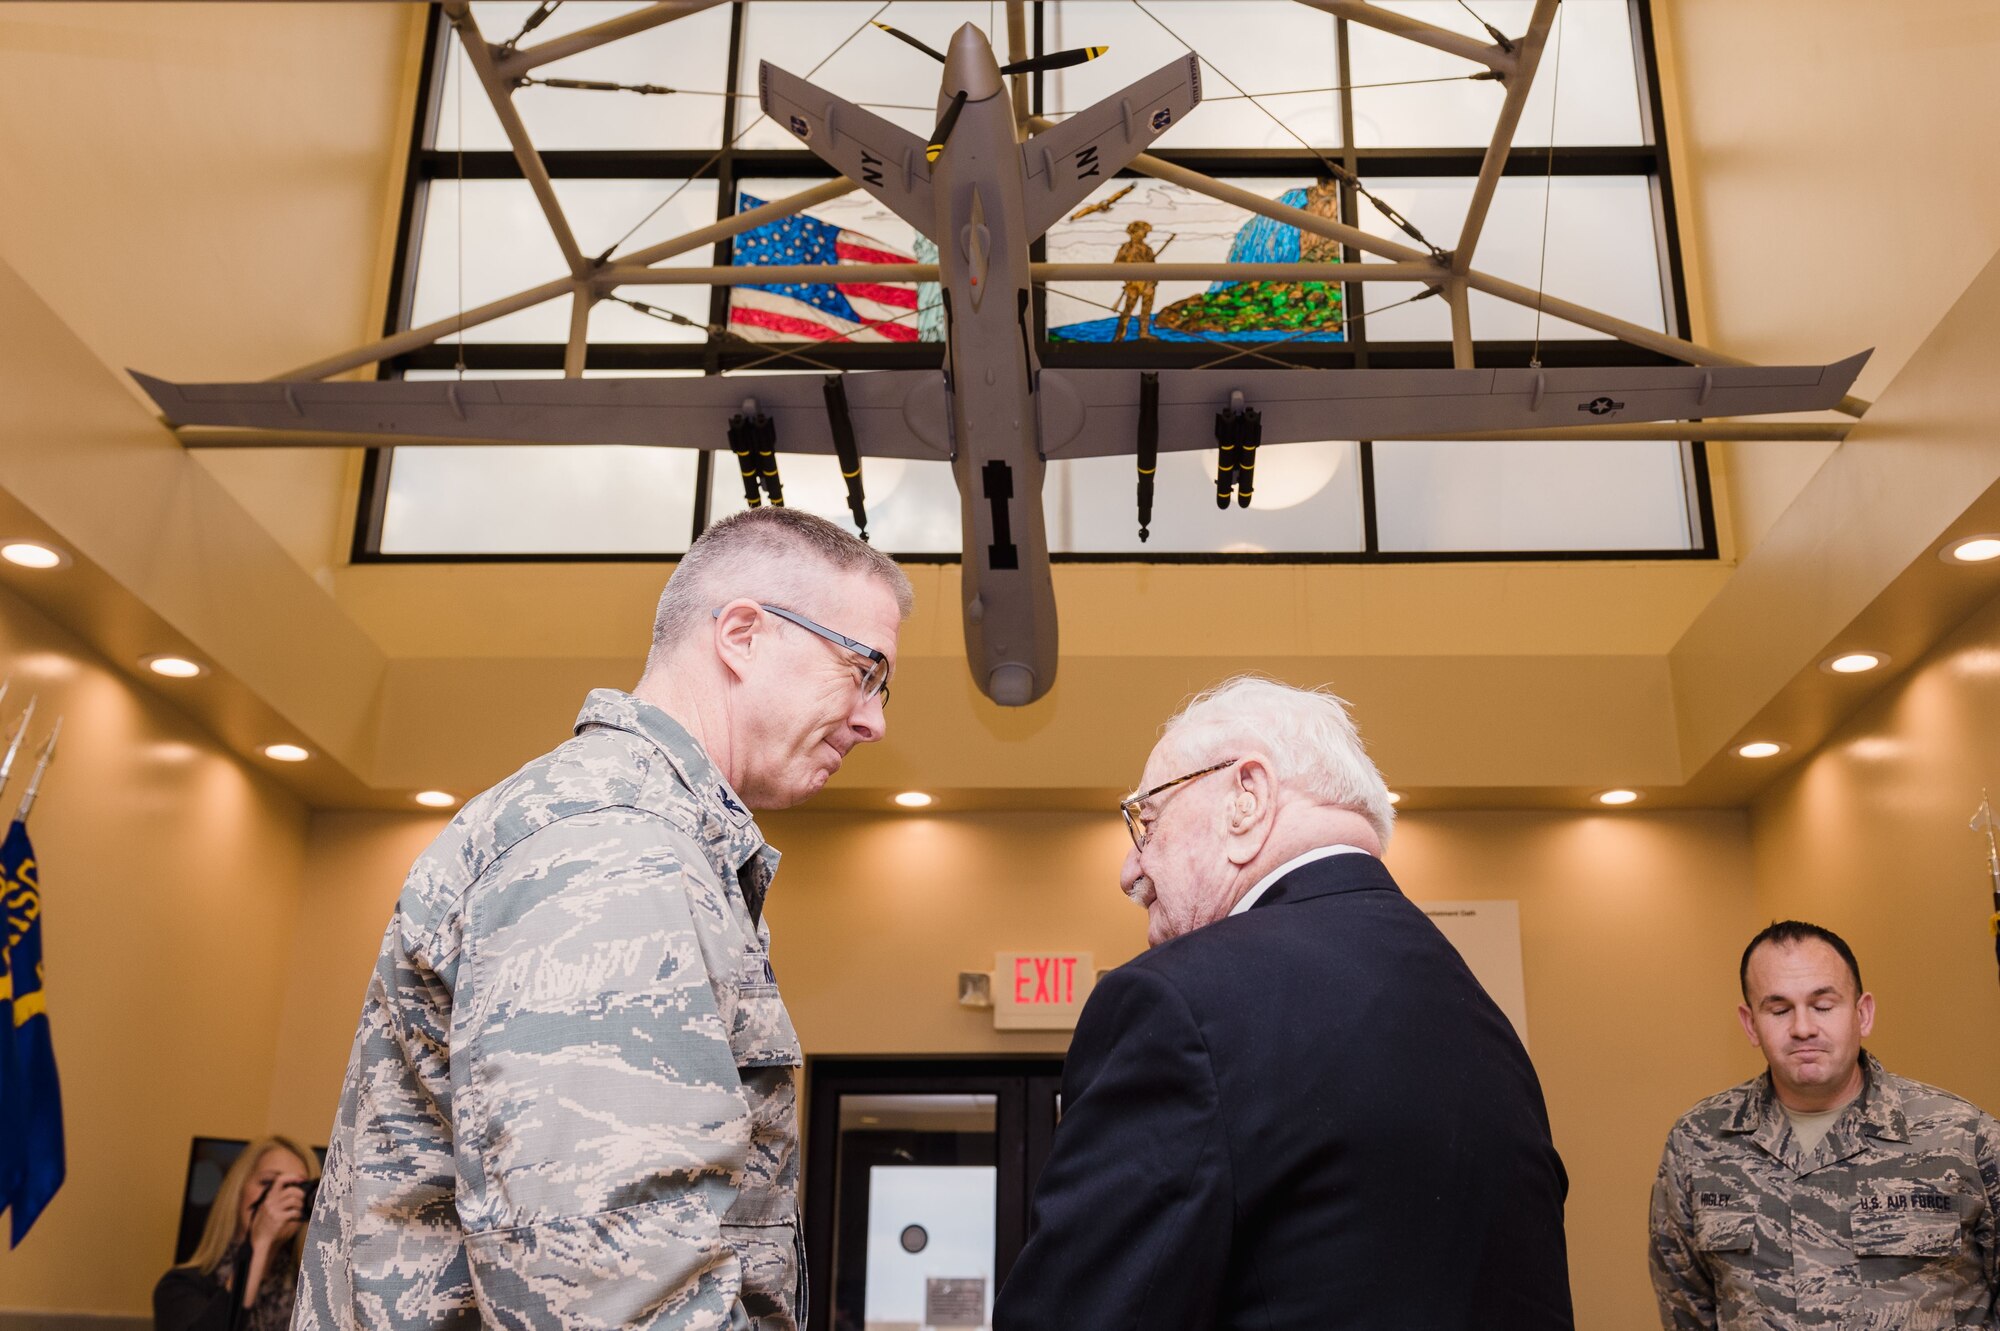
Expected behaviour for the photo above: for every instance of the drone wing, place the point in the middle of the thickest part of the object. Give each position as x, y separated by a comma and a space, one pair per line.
1064, 164
1096, 413
884, 159
891, 413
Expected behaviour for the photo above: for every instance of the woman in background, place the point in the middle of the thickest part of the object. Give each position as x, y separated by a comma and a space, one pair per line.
254, 1241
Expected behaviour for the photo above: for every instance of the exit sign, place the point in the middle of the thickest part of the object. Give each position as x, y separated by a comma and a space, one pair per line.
1040, 991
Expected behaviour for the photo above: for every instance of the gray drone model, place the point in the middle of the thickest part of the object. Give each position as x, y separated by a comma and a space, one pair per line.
983, 194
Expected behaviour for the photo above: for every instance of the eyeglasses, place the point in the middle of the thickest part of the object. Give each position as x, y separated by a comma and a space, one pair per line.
873, 681
1136, 824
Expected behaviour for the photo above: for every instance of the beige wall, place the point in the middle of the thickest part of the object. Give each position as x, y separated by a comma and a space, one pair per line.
355, 862
1869, 837
238, 204
1630, 926
873, 917
170, 875
1793, 255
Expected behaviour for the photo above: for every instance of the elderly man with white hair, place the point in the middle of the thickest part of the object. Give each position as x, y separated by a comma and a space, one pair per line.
1299, 1108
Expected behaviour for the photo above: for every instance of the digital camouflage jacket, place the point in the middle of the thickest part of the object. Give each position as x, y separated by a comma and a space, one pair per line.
571, 1102
1888, 1225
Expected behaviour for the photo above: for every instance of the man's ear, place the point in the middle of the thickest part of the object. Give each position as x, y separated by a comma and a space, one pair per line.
1249, 810
737, 629
1744, 1015
1865, 1011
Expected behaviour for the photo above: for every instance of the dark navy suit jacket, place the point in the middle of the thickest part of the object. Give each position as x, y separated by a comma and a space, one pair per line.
1309, 1115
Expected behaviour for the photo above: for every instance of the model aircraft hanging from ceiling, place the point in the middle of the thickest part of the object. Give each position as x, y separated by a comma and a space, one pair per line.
983, 195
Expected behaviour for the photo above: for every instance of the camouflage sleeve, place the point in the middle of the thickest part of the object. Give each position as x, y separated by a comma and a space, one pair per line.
1681, 1282
1987, 1149
601, 1125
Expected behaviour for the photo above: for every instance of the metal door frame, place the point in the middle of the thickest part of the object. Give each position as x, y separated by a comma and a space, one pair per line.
1025, 1091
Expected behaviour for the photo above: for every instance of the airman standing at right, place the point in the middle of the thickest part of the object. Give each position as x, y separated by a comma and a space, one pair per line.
1828, 1192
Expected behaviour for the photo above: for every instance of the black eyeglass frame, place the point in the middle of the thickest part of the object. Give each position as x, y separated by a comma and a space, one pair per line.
874, 682
1130, 807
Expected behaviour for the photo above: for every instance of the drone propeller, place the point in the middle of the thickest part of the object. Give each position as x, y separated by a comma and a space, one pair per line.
902, 36
1033, 65
1055, 60
943, 130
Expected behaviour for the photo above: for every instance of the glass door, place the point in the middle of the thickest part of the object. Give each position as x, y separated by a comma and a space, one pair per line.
918, 1176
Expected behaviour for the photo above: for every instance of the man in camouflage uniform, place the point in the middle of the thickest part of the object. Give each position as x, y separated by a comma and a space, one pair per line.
1827, 1192
571, 1100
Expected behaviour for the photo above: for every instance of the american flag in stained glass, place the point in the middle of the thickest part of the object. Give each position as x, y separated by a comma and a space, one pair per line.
818, 311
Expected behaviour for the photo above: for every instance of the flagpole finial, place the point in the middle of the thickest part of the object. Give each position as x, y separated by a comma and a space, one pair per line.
41, 768
14, 743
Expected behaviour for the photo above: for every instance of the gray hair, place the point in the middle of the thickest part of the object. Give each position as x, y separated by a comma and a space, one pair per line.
1312, 743
777, 556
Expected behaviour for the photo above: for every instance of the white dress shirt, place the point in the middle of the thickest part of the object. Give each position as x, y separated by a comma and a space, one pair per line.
1297, 861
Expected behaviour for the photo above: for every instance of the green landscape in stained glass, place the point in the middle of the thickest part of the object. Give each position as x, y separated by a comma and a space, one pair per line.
1248, 311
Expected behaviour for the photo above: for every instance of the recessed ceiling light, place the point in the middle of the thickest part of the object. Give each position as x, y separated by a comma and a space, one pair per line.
286, 753
914, 799
32, 554
1761, 748
1852, 663
1617, 797
174, 667
436, 799
1965, 550
1395, 797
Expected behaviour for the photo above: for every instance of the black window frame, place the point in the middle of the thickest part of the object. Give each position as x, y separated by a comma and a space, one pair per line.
427, 163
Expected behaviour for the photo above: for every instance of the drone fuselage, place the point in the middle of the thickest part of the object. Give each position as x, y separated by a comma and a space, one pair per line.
982, 237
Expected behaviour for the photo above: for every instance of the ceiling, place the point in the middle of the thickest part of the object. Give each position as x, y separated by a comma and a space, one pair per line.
207, 192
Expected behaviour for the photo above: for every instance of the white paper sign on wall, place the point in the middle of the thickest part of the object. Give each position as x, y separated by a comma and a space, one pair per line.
1488, 935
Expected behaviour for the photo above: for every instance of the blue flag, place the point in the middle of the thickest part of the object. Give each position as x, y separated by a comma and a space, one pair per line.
31, 1136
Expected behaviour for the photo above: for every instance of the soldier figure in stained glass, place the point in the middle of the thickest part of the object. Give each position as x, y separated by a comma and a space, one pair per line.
1136, 301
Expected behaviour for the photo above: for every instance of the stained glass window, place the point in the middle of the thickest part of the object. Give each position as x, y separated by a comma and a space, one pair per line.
1180, 226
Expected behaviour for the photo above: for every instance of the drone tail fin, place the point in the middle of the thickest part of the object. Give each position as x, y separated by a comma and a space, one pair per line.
1066, 164
885, 159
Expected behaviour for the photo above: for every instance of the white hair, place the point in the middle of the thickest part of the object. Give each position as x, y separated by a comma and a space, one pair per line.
1312, 743
776, 556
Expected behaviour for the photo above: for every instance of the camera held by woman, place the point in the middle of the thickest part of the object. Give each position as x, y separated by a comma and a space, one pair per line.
244, 1273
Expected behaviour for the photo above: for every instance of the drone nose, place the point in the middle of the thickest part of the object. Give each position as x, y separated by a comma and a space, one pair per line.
1011, 685
969, 65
